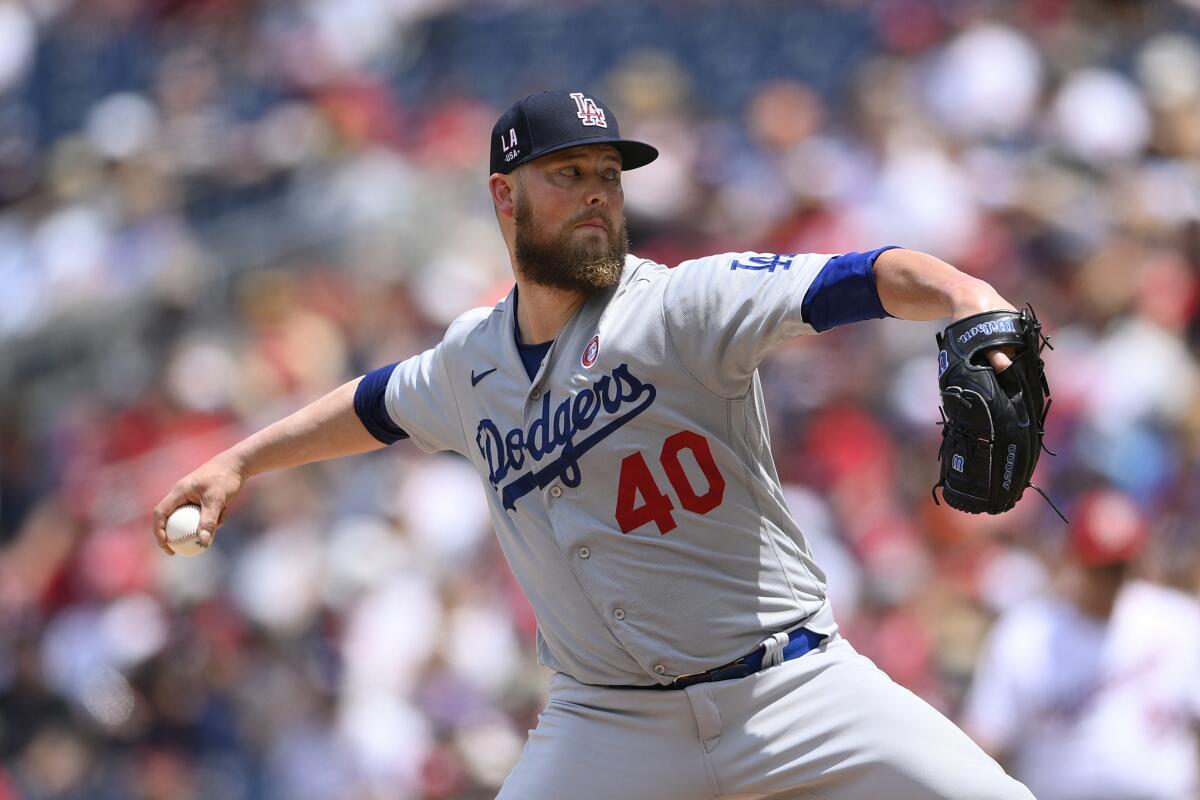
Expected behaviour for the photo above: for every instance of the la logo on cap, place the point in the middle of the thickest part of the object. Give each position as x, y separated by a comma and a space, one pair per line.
589, 112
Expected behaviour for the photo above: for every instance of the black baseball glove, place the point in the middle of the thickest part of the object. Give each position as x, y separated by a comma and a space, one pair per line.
992, 422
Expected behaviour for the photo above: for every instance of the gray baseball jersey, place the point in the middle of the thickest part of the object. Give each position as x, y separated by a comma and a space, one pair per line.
631, 483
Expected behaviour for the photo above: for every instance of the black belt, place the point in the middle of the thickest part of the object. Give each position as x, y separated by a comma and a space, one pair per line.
800, 641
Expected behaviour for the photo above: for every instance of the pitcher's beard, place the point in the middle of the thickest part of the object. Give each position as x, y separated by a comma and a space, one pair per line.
562, 262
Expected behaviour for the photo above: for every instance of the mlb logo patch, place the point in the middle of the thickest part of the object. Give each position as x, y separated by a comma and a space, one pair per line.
591, 352
943, 362
590, 113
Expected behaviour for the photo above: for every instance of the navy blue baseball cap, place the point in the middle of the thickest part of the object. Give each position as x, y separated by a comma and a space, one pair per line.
543, 123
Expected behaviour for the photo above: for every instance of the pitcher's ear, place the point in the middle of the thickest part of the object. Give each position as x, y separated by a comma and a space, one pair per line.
503, 188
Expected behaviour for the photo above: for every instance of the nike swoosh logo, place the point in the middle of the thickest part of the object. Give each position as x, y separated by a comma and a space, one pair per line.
475, 379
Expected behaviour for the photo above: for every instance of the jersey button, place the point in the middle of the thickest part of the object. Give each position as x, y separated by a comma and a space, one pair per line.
556, 491
584, 552
619, 613
535, 394
660, 669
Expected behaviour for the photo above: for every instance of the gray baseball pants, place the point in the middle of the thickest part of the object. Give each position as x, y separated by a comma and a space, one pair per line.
829, 725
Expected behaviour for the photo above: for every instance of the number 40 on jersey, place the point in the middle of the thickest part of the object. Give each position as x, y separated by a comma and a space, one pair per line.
639, 498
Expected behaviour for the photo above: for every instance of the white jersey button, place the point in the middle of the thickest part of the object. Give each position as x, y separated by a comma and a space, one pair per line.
535, 394
584, 552
660, 669
619, 613
556, 491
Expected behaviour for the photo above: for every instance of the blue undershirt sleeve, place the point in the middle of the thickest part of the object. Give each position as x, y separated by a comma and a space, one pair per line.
370, 407
844, 291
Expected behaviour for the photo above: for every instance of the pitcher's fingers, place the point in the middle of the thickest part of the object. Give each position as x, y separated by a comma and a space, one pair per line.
212, 507
1001, 358
168, 504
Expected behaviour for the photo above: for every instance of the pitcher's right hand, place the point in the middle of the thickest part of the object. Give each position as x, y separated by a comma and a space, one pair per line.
212, 487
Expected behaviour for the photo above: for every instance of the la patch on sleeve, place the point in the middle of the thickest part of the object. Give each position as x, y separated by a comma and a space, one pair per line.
764, 261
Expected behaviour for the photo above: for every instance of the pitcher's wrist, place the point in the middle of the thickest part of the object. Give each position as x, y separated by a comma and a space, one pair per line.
973, 296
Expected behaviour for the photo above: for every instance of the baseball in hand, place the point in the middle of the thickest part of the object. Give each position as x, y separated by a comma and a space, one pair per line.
183, 531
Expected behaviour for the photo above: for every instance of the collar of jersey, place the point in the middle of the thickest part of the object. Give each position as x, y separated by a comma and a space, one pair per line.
508, 310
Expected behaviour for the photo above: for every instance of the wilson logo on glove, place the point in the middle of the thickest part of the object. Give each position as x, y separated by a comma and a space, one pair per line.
993, 326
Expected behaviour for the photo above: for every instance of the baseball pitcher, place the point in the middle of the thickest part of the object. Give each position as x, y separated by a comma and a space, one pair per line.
612, 409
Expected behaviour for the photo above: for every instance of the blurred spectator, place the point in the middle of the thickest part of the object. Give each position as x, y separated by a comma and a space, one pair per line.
211, 211
1092, 692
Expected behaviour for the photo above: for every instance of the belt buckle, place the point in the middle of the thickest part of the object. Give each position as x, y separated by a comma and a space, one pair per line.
679, 679
682, 681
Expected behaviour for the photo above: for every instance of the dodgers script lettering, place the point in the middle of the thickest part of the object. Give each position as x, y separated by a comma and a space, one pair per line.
620, 395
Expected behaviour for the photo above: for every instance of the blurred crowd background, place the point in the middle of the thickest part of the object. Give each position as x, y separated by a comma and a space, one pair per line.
214, 211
